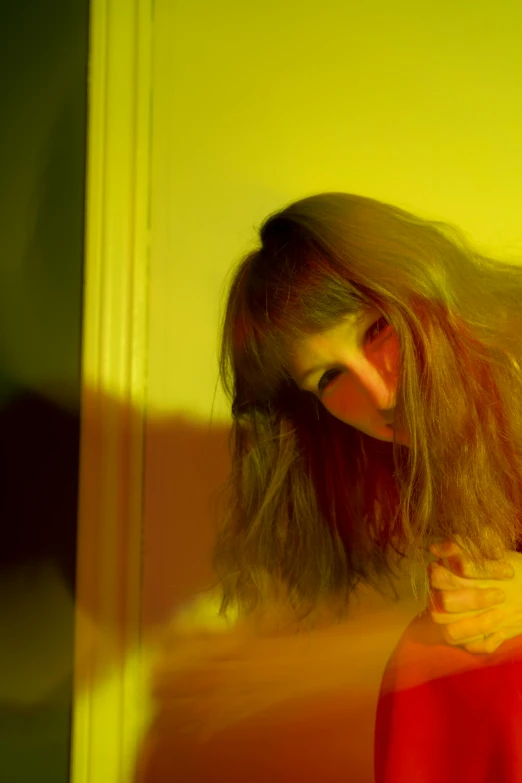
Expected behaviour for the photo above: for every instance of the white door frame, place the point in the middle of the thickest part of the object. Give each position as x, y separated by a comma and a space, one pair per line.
107, 720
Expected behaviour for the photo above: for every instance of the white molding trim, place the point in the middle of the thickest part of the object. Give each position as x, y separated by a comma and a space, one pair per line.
108, 706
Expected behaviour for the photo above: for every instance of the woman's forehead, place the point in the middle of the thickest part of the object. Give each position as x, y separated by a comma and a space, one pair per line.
348, 322
306, 350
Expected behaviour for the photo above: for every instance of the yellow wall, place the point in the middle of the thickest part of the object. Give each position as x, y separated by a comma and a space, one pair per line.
257, 104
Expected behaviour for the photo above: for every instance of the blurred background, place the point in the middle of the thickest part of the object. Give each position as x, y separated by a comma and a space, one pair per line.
43, 72
252, 105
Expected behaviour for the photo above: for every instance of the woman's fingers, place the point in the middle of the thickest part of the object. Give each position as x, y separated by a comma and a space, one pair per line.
452, 618
469, 600
460, 565
493, 569
481, 624
485, 646
443, 579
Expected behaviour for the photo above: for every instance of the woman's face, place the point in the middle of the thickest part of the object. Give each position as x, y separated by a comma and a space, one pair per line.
353, 370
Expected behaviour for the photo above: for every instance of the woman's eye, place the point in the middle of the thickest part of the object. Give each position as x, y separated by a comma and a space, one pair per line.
382, 322
373, 332
326, 379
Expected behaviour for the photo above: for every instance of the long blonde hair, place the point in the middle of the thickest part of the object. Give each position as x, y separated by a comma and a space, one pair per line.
313, 506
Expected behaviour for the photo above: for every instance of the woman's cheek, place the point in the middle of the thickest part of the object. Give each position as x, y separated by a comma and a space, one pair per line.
343, 402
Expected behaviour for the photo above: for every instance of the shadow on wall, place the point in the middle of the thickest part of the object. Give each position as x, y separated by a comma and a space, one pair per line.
316, 736
39, 493
39, 466
186, 464
313, 737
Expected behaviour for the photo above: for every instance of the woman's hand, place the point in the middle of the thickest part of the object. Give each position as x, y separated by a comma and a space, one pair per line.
477, 616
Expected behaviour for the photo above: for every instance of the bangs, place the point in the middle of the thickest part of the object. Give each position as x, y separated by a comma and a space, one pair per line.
291, 290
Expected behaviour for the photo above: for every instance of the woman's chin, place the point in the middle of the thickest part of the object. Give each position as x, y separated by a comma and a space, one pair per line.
387, 433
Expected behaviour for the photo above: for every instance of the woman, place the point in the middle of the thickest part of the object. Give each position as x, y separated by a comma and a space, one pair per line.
372, 362
372, 359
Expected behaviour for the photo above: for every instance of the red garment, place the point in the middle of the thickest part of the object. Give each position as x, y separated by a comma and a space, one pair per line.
447, 716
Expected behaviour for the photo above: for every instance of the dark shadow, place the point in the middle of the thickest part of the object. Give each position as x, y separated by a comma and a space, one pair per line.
43, 67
